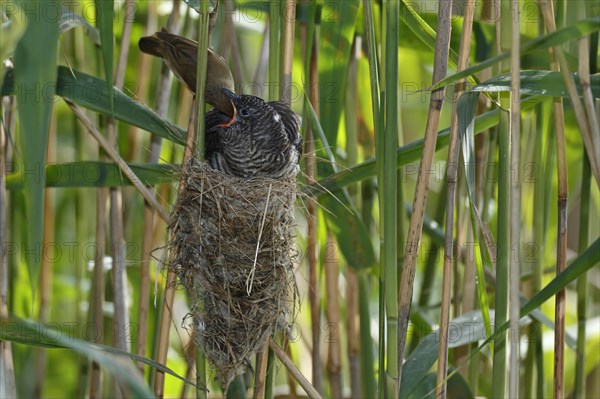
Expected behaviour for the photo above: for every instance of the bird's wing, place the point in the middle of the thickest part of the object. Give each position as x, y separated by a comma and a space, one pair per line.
291, 123
180, 55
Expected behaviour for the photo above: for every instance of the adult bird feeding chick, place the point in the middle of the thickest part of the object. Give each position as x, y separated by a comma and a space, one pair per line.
231, 230
245, 135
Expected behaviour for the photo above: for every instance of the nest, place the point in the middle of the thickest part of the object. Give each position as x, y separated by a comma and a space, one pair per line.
232, 249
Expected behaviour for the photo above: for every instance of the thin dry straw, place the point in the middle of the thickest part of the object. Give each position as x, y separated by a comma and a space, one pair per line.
114, 155
287, 362
250, 278
556, 58
421, 191
453, 153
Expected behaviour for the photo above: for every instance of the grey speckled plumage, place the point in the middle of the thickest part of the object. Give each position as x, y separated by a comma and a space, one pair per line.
245, 136
262, 140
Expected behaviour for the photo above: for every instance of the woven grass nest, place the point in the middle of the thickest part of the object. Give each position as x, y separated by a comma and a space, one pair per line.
232, 249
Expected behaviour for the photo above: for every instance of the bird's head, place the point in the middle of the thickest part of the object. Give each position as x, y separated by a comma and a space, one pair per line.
257, 138
252, 113
265, 121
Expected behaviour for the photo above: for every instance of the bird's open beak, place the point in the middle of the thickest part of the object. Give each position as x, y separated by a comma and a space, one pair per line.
230, 104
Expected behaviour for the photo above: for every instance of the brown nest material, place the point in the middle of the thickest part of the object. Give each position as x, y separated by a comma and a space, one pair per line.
232, 248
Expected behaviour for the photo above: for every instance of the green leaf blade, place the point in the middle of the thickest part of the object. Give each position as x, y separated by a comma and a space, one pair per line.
104, 22
35, 74
92, 174
337, 31
28, 333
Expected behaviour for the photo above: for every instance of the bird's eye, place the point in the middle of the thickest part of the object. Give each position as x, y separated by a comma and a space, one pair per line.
244, 112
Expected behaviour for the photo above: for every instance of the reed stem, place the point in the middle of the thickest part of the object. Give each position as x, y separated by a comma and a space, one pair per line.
442, 47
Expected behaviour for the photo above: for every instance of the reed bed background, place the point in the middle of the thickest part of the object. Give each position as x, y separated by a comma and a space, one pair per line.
450, 178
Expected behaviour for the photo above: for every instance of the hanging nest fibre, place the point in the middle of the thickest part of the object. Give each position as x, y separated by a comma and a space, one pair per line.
232, 249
